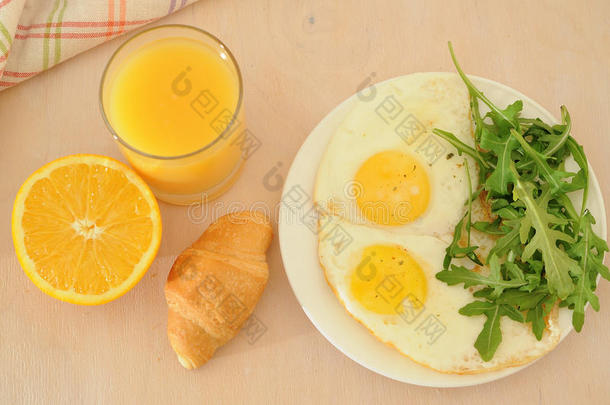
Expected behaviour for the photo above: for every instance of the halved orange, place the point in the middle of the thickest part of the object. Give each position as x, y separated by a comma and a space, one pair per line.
85, 228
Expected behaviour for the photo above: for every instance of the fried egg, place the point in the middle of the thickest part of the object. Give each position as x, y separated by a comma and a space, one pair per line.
385, 278
385, 167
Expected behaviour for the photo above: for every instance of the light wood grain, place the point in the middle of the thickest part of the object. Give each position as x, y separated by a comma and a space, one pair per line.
299, 59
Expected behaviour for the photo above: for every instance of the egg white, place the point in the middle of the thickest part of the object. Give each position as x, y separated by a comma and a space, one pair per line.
419, 337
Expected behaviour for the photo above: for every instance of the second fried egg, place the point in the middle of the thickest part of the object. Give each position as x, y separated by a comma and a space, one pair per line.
385, 278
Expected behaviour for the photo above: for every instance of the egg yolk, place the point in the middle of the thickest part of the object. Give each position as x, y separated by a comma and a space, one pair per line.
392, 188
385, 278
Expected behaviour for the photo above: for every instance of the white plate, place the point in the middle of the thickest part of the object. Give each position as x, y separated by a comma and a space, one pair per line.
298, 243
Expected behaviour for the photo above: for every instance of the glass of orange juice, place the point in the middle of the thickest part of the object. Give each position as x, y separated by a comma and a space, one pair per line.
172, 99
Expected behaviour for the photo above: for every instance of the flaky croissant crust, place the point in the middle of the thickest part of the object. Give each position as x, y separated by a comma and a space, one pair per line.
213, 286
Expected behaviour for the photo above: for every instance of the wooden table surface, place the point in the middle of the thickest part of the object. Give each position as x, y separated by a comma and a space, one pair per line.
299, 59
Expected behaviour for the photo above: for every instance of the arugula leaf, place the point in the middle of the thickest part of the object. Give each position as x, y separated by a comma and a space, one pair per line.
558, 264
536, 315
461, 146
537, 303
552, 176
476, 92
469, 204
557, 141
508, 212
513, 271
495, 275
566, 203
523, 299
534, 275
590, 251
502, 146
460, 274
535, 122
477, 308
492, 228
578, 153
512, 313
491, 336
476, 116
454, 250
484, 293
508, 118
509, 241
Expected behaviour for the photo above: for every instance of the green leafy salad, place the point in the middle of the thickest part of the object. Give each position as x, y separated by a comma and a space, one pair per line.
546, 250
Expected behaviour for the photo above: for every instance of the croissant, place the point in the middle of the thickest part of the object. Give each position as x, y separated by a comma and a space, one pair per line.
213, 286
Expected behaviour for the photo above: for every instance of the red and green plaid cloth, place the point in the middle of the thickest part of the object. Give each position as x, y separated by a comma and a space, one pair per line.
36, 35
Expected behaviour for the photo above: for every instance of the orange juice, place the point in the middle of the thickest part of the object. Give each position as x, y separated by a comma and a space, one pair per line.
173, 103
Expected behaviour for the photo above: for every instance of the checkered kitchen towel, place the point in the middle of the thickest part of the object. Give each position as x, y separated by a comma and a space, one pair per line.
36, 35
